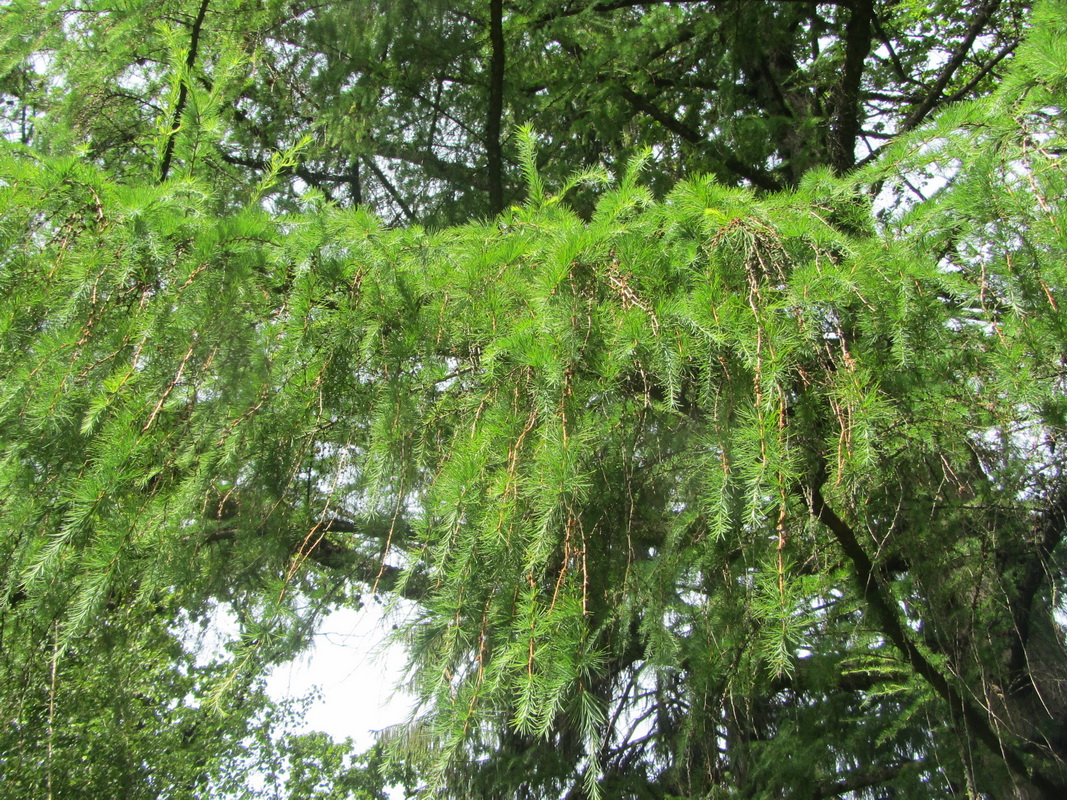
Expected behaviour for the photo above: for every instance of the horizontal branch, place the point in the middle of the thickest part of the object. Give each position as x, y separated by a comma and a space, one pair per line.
607, 6
354, 564
310, 176
856, 781
428, 160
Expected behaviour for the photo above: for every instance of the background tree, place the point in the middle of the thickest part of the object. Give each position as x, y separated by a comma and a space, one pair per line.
130, 709
409, 105
710, 491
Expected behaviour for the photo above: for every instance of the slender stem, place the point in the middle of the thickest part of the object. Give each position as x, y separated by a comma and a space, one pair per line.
52, 709
392, 190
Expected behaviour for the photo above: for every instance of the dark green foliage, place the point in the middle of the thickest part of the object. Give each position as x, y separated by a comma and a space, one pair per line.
116, 711
408, 106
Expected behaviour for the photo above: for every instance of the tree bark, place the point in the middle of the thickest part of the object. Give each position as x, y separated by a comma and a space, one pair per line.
495, 111
183, 92
845, 124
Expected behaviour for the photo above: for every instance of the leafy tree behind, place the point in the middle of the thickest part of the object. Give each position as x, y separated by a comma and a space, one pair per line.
706, 480
408, 106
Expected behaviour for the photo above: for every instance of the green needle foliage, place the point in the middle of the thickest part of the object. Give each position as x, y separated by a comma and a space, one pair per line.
697, 493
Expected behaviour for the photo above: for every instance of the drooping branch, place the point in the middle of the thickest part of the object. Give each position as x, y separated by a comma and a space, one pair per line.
355, 564
183, 92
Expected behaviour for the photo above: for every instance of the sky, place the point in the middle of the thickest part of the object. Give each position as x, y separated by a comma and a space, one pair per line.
355, 672
350, 668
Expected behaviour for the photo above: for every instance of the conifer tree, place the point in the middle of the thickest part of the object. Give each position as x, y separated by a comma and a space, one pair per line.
409, 106
722, 486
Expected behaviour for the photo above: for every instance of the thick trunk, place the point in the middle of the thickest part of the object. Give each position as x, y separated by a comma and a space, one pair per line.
495, 110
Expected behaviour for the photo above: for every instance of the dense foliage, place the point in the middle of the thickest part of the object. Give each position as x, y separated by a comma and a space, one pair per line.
705, 479
409, 106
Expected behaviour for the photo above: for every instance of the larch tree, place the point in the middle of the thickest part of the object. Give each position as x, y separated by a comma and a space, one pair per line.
712, 424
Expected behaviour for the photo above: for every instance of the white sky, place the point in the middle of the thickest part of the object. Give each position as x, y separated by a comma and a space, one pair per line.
355, 672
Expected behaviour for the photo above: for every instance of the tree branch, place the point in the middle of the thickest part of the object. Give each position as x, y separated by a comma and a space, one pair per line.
878, 598
392, 190
857, 781
607, 6
985, 69
933, 96
425, 158
754, 176
1032, 580
352, 563
310, 176
495, 108
845, 122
